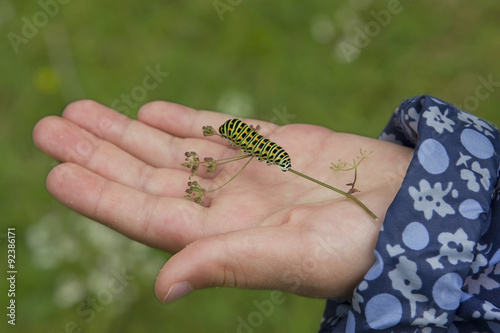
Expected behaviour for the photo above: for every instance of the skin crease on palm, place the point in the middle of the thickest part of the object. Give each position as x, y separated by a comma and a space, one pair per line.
267, 229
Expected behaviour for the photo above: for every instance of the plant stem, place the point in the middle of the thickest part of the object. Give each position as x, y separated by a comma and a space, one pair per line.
215, 189
347, 195
352, 190
232, 159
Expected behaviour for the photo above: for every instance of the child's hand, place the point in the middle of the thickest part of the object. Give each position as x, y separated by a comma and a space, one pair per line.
265, 230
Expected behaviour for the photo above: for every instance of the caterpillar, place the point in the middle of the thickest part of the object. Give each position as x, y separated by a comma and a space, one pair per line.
254, 144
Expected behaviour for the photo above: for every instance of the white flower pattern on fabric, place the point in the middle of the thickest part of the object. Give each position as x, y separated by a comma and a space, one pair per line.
479, 262
415, 117
357, 299
439, 121
463, 160
405, 279
429, 318
475, 283
484, 173
431, 199
470, 177
491, 311
456, 247
389, 138
479, 124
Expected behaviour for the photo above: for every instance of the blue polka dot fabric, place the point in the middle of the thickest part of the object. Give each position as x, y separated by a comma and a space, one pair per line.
437, 265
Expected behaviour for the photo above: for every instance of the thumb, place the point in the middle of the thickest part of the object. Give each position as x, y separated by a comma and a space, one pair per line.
251, 258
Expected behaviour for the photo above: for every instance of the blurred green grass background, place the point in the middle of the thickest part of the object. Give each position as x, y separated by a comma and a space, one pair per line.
278, 61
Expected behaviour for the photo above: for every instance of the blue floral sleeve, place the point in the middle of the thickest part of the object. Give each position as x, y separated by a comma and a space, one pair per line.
437, 257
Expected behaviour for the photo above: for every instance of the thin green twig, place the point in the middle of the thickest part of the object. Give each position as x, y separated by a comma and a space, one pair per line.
347, 195
215, 189
231, 159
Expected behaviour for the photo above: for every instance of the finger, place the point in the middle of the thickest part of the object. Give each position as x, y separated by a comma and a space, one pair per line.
164, 223
147, 143
259, 258
69, 143
186, 122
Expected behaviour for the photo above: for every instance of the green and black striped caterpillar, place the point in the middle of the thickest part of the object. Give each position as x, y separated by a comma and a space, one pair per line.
254, 144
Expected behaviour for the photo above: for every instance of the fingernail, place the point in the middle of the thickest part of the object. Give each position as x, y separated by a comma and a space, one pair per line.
177, 290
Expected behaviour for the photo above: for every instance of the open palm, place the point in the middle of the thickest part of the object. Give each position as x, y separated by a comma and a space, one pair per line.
267, 229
